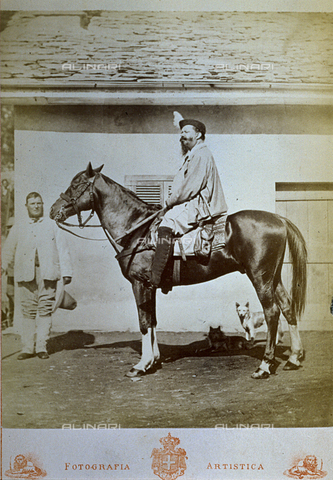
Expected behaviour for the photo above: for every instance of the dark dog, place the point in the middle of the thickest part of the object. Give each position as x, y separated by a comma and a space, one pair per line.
218, 340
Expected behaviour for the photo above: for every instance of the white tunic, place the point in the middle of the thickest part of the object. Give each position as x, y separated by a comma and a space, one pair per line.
42, 236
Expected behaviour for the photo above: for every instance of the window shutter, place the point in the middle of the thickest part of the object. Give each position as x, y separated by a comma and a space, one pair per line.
149, 193
152, 189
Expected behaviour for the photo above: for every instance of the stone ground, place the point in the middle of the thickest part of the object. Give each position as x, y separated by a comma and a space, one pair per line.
83, 382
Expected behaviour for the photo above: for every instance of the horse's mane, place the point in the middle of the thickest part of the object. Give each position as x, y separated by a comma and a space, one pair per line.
127, 191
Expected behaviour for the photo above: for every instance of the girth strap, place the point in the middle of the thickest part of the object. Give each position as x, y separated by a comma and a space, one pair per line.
176, 271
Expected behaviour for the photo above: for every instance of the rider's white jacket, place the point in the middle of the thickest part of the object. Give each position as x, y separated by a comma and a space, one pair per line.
198, 183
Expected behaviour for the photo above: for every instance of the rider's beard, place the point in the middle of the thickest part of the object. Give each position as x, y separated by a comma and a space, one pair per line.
184, 148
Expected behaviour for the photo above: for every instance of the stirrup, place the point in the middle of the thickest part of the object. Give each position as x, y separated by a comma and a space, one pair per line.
147, 282
145, 279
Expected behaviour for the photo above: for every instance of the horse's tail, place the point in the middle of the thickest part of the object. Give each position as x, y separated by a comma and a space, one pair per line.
298, 257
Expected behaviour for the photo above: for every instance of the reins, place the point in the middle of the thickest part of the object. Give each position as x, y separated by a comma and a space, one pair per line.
108, 236
143, 222
61, 225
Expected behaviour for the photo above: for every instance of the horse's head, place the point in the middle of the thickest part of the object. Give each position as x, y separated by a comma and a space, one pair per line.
78, 197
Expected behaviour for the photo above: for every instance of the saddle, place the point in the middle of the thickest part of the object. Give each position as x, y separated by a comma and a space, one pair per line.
199, 242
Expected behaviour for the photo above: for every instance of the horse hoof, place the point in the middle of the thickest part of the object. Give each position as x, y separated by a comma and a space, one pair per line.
134, 372
291, 366
260, 374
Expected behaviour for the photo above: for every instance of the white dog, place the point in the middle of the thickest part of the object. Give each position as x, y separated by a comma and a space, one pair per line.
252, 320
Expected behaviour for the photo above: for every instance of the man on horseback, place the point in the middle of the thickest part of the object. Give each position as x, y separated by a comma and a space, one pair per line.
197, 194
256, 245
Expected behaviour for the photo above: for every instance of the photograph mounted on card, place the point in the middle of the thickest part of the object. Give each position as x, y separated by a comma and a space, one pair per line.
167, 227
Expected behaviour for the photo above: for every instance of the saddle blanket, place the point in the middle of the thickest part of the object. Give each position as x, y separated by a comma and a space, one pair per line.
187, 241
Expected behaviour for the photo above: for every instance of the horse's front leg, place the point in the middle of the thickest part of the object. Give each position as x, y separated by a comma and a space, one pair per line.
146, 304
279, 336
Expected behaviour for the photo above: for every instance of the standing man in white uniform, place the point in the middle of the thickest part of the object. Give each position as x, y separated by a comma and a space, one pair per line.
41, 258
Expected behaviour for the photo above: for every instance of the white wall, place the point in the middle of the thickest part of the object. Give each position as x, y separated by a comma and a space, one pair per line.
249, 166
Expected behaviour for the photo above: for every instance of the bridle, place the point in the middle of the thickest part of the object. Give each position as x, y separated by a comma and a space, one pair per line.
72, 201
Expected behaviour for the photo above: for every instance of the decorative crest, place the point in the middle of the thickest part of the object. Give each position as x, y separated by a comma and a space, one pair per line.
169, 461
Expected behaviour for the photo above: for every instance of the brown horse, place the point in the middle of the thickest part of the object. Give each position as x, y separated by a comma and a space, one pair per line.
256, 244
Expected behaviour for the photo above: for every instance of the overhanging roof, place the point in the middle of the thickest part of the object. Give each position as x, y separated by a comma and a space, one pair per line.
167, 57
276, 94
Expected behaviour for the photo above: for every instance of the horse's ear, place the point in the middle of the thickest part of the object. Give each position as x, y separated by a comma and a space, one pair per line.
90, 171
97, 170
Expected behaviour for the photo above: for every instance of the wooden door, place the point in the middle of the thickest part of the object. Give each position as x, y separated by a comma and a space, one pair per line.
310, 207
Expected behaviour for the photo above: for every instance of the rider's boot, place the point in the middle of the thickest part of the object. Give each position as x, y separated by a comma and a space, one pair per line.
163, 250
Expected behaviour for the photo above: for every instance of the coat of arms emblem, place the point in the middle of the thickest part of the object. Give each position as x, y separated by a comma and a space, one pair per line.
169, 461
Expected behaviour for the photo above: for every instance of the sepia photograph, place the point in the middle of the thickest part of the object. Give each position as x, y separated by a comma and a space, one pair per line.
166, 239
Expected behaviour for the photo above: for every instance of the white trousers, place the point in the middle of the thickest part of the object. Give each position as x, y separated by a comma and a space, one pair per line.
41, 326
176, 219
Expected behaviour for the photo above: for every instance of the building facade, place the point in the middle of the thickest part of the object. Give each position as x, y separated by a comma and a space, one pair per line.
102, 87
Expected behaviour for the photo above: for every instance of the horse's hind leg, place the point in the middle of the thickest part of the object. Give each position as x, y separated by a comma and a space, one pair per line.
284, 301
146, 305
272, 313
